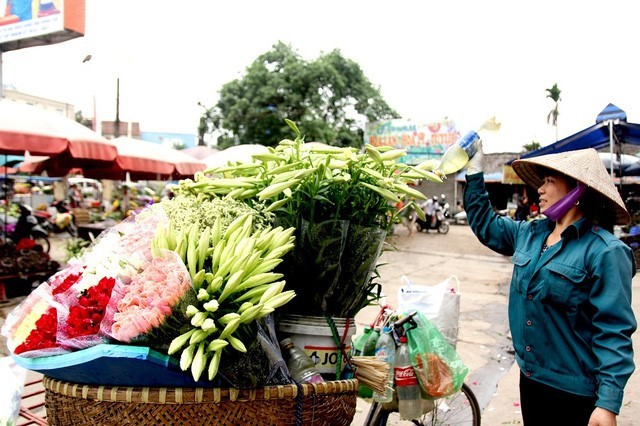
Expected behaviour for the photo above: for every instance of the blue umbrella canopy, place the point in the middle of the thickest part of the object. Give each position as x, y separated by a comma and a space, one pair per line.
597, 136
611, 112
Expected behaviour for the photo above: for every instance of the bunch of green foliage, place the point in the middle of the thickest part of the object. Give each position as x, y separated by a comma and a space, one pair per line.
330, 98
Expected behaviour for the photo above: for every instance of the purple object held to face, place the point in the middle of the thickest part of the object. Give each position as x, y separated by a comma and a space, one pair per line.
565, 204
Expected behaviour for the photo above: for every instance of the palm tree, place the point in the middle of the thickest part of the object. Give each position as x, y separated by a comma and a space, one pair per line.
531, 146
552, 117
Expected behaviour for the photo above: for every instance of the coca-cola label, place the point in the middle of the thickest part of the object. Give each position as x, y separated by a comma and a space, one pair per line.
405, 376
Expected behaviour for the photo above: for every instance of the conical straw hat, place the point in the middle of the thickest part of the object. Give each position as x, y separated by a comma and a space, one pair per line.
584, 165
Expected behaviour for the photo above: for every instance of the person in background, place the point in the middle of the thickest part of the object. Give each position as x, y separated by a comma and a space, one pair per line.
408, 217
522, 211
570, 297
430, 209
534, 210
75, 196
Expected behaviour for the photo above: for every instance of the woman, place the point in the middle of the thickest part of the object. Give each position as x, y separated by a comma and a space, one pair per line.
570, 297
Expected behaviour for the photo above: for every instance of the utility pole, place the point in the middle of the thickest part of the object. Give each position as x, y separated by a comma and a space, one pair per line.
116, 131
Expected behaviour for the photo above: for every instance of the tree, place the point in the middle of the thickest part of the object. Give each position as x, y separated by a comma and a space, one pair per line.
532, 146
330, 99
552, 117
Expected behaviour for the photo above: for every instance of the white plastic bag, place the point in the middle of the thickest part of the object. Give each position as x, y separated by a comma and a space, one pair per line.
13, 377
439, 303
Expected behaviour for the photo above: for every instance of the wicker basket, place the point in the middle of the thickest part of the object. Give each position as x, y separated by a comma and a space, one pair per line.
330, 403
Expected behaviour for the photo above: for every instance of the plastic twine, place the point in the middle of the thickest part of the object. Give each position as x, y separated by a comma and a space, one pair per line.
380, 316
340, 344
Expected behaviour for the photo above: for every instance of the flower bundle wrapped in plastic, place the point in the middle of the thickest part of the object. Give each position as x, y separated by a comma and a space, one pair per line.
157, 295
75, 299
186, 276
36, 332
32, 328
231, 270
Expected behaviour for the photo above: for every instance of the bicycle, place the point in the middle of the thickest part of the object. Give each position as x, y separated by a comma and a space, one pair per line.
459, 409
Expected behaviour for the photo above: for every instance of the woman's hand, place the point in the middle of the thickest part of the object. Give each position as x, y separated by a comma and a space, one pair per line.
602, 417
476, 163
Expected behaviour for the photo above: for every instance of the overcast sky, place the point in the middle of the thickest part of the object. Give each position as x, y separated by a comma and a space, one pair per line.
464, 60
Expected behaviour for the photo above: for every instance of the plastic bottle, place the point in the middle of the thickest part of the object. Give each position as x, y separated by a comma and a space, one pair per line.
409, 402
459, 154
357, 346
386, 349
301, 366
369, 350
370, 344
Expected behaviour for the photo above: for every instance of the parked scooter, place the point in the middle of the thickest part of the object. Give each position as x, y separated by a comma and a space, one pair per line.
58, 218
460, 218
441, 224
26, 226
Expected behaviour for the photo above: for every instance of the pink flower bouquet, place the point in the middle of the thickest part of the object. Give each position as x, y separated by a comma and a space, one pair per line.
147, 312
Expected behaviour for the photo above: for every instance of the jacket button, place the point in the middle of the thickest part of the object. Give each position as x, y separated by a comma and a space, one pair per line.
595, 228
529, 322
529, 297
528, 374
528, 348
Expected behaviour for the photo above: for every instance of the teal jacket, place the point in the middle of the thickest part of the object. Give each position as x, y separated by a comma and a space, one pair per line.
570, 307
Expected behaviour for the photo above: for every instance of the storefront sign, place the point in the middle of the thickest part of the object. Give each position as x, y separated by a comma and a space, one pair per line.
28, 23
423, 141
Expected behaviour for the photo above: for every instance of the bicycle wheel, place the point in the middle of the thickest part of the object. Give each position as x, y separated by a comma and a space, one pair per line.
459, 409
377, 415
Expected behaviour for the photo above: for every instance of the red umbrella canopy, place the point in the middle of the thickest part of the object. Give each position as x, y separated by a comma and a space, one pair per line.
147, 160
41, 132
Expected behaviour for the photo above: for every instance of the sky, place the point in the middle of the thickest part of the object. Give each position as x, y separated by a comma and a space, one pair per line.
464, 60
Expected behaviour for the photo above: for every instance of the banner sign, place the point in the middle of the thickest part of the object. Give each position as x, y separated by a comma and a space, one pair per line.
510, 176
28, 23
423, 141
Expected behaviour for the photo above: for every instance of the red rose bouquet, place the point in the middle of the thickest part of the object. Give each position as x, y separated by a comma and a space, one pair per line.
32, 330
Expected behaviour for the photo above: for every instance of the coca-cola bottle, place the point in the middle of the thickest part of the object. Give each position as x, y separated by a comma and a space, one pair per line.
407, 387
300, 365
386, 350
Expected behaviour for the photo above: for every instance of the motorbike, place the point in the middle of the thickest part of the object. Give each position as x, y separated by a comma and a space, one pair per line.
441, 223
26, 226
58, 218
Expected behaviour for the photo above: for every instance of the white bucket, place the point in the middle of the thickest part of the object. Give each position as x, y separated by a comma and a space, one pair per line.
314, 336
